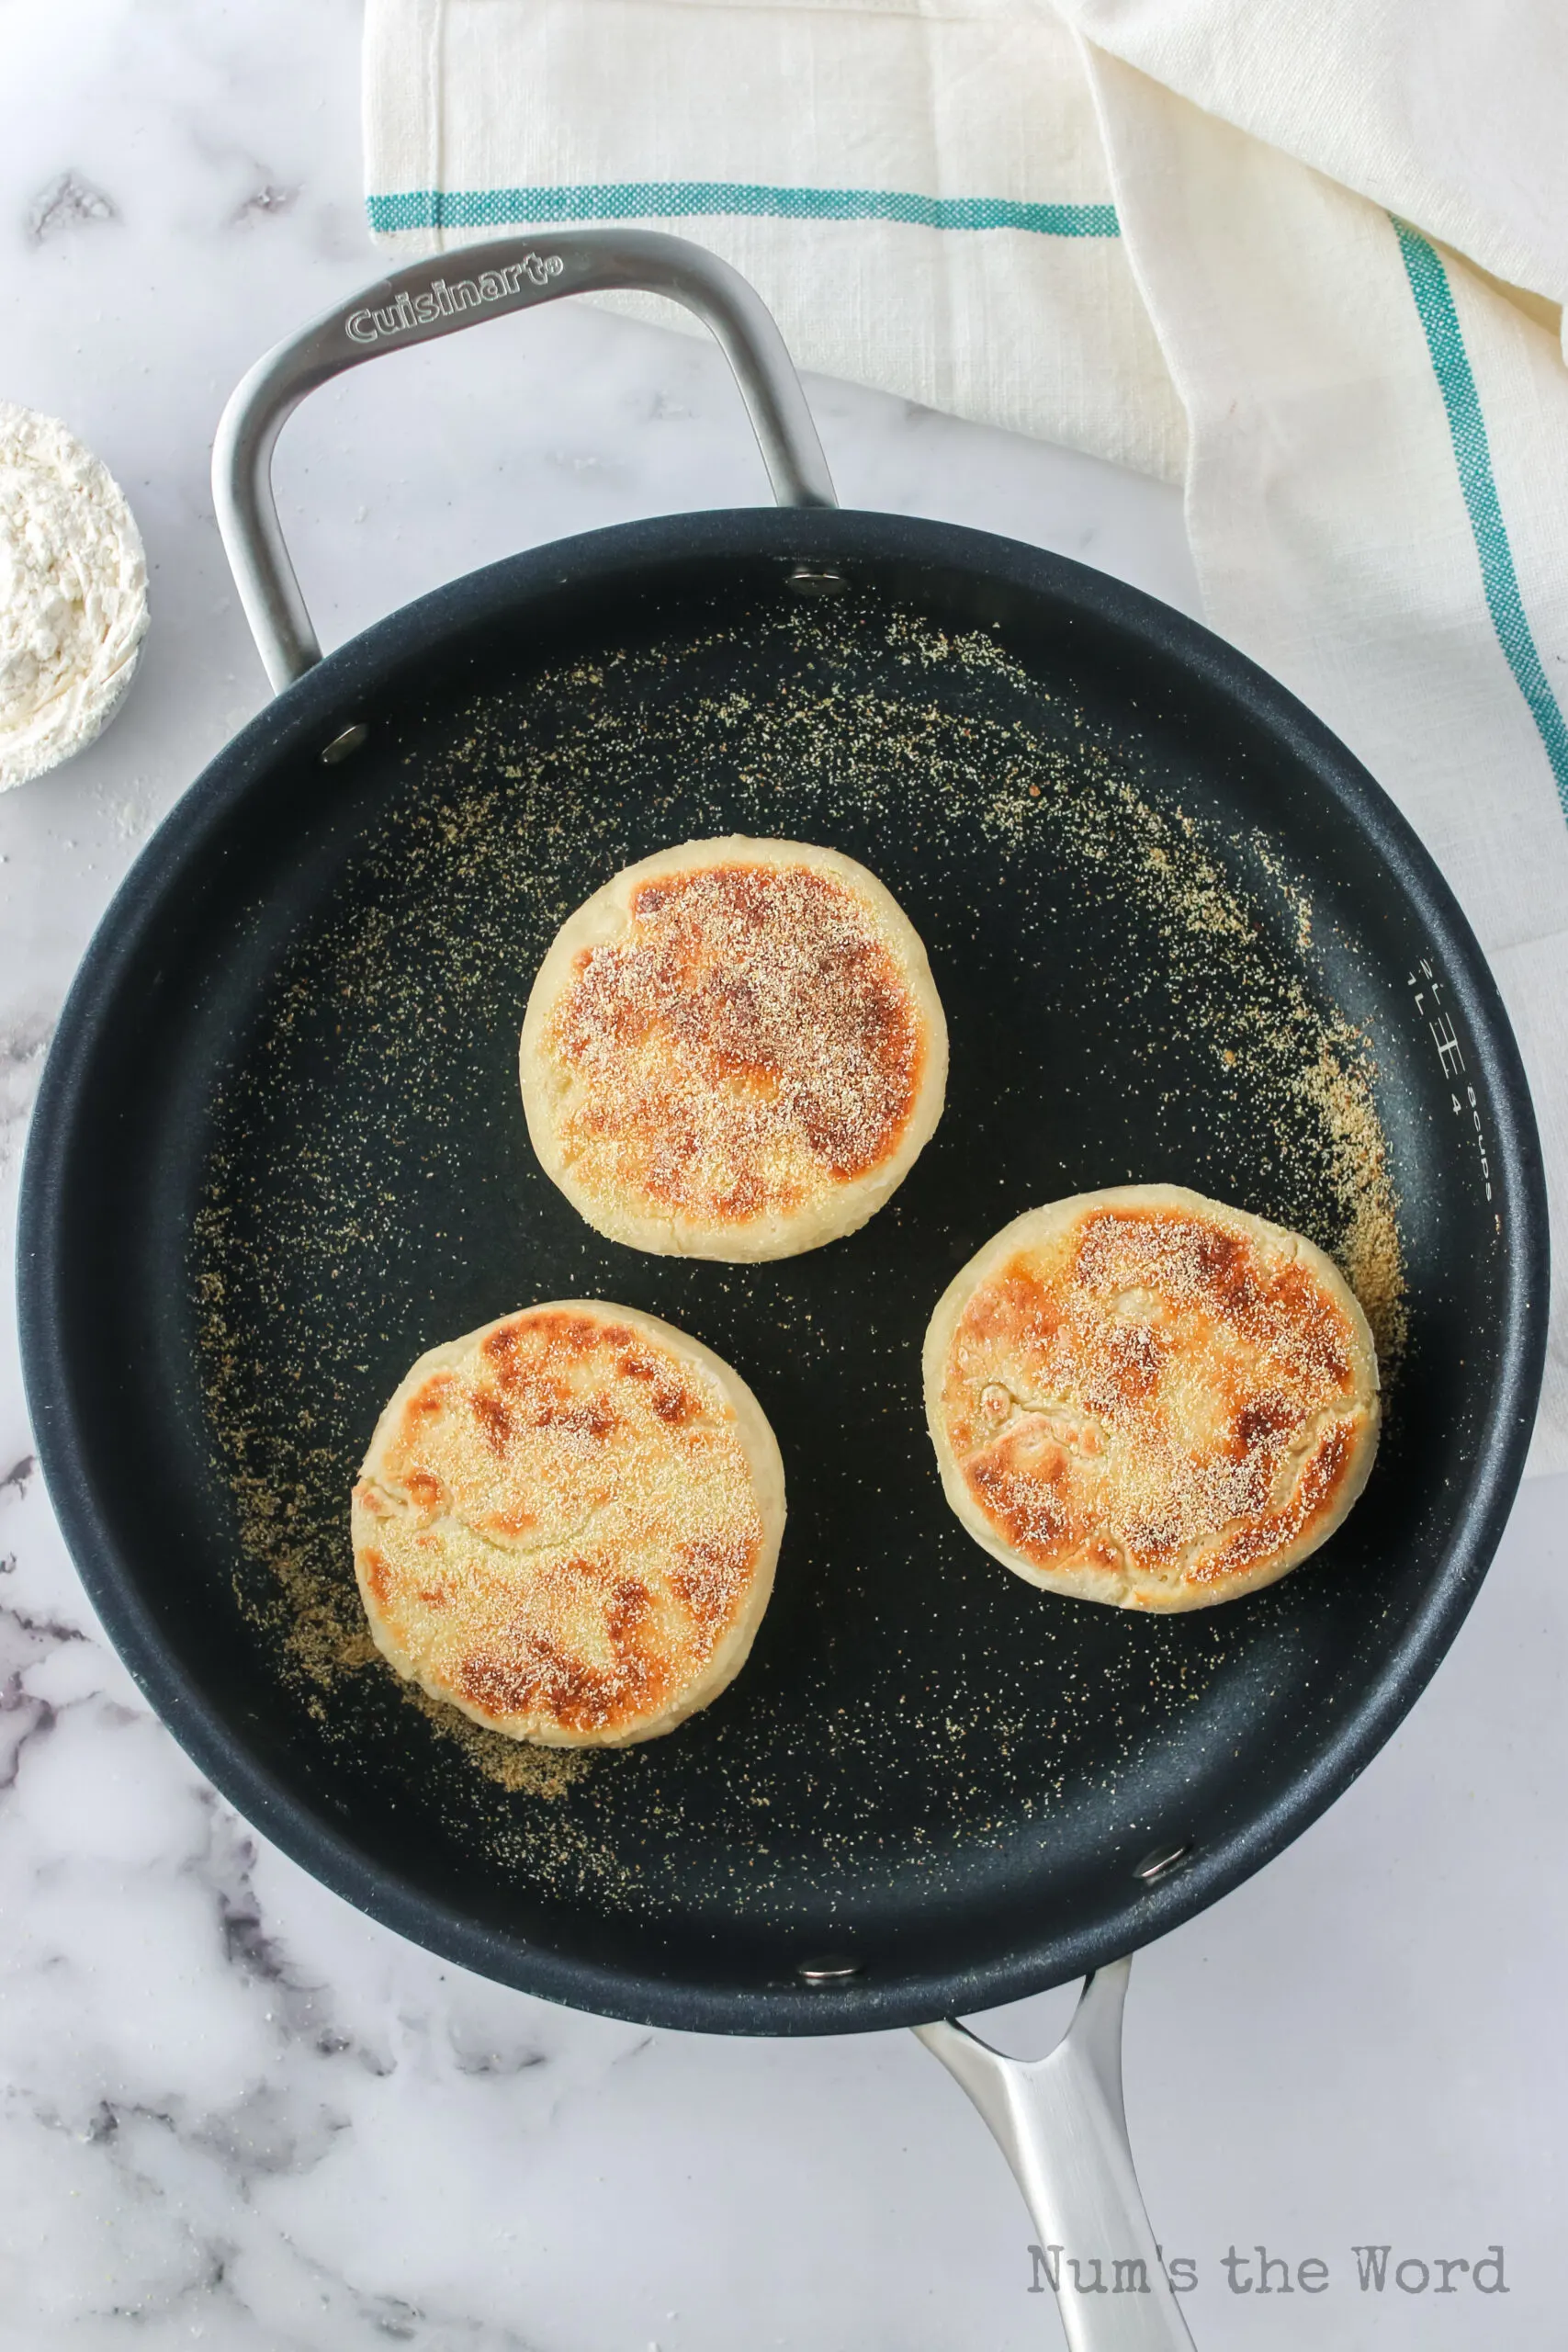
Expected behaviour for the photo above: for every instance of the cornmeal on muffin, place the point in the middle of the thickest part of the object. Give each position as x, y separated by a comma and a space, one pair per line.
735, 1049
567, 1524
1144, 1397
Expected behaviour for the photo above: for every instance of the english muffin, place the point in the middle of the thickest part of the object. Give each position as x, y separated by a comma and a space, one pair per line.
1143, 1397
567, 1524
735, 1049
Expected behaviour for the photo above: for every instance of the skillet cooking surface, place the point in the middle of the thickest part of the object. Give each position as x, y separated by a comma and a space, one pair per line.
1180, 936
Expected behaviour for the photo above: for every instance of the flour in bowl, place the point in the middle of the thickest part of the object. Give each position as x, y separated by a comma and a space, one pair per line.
73, 595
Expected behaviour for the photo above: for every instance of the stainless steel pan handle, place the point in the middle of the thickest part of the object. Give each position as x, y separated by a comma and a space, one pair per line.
1060, 2124
430, 299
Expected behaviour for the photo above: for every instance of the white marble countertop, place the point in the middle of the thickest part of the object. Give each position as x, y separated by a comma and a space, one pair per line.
233, 2111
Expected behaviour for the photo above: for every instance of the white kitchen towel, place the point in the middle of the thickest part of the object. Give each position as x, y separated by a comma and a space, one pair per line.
1310, 260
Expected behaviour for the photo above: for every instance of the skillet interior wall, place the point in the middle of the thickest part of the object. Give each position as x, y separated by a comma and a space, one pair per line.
922, 1748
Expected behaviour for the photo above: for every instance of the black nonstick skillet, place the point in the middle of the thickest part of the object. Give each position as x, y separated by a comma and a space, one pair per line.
1180, 935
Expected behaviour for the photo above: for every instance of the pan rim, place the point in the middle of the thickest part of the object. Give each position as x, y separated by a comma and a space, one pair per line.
309, 712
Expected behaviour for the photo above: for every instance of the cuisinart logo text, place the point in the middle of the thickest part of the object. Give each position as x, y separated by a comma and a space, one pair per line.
439, 301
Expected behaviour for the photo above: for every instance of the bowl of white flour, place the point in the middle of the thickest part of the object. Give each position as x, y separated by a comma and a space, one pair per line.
73, 595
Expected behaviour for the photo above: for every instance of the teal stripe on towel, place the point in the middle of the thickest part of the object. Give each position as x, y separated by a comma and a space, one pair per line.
506, 208
1467, 430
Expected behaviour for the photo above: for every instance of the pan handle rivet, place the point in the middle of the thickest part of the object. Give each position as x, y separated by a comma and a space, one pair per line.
1163, 1861
817, 580
829, 1968
342, 745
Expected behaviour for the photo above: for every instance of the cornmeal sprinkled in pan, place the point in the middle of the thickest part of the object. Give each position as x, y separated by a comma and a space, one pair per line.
369, 1189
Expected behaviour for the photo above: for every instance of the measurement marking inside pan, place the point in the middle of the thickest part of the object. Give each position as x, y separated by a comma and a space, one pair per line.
369, 1191
1428, 991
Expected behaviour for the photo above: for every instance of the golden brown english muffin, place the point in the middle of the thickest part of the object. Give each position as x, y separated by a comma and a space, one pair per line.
734, 1049
567, 1524
1143, 1397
